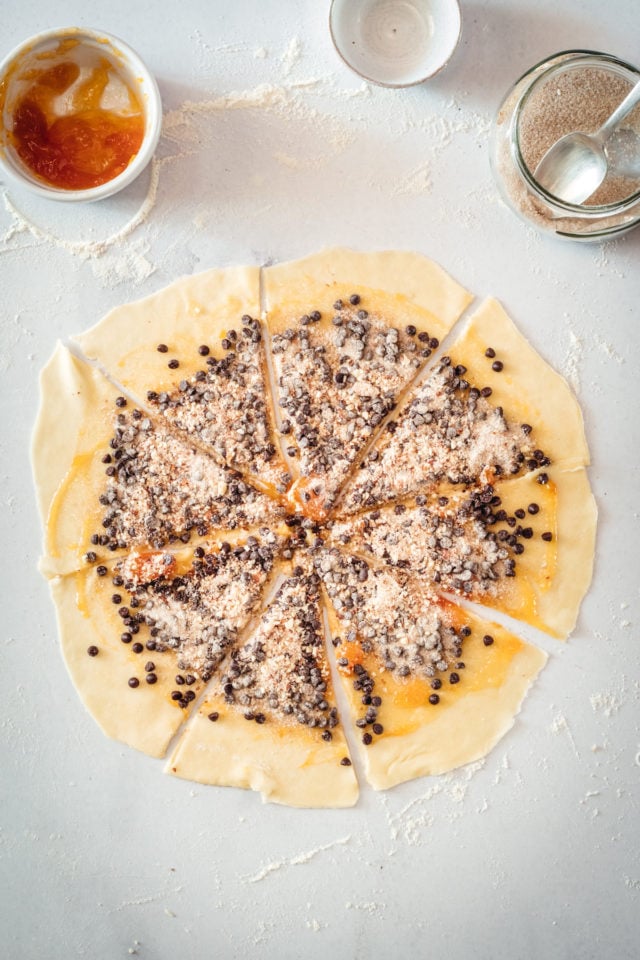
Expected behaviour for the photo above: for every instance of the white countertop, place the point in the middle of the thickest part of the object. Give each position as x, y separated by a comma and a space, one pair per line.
282, 152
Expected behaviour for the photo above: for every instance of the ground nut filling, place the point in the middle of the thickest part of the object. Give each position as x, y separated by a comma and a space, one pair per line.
389, 615
225, 407
448, 432
465, 545
160, 490
200, 613
337, 381
281, 672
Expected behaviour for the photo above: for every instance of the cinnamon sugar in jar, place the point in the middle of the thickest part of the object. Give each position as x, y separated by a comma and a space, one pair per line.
573, 90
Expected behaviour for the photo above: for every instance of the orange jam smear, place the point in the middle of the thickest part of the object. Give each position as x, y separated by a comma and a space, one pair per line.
304, 500
60, 129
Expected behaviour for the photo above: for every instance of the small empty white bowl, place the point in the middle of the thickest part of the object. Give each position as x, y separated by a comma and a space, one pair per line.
395, 43
120, 54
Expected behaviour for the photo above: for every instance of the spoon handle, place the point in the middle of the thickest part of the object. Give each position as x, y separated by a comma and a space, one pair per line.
618, 115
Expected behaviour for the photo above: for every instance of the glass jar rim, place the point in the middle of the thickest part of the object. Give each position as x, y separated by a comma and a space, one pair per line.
579, 58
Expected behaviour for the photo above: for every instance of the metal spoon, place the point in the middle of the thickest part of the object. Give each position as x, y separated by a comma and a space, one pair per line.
575, 166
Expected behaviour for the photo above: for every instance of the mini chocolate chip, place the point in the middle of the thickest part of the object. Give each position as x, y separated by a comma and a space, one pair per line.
376, 701
354, 299
149, 667
497, 365
173, 364
486, 392
90, 556
410, 330
526, 428
434, 342
490, 352
121, 402
176, 695
460, 665
92, 651
378, 728
367, 739
487, 640
547, 535
137, 648
436, 684
434, 698
126, 637
101, 571
345, 762
213, 716
338, 305
116, 598
203, 350
542, 478
134, 682
162, 348
520, 514
454, 678
151, 678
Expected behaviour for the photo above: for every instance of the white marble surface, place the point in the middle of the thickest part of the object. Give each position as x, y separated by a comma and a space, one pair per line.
535, 855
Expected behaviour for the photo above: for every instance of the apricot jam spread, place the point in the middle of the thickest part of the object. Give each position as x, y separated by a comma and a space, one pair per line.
77, 121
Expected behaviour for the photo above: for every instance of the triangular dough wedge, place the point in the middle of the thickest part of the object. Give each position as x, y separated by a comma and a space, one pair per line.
211, 380
169, 616
154, 488
526, 386
145, 717
430, 686
270, 723
447, 432
552, 576
201, 605
345, 345
522, 547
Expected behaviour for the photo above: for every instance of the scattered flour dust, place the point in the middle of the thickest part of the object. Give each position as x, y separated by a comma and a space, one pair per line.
573, 359
409, 822
560, 725
368, 906
295, 861
86, 249
417, 182
291, 56
606, 702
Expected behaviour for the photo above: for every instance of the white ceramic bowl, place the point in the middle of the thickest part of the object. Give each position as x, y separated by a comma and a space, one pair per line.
147, 90
395, 43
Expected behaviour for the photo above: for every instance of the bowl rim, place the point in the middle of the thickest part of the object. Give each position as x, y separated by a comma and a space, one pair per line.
455, 7
153, 116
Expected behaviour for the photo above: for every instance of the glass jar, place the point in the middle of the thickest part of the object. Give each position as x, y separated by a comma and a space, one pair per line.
567, 88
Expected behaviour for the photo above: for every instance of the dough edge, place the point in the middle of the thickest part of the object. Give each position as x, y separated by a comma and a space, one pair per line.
467, 732
235, 752
550, 403
425, 284
144, 718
